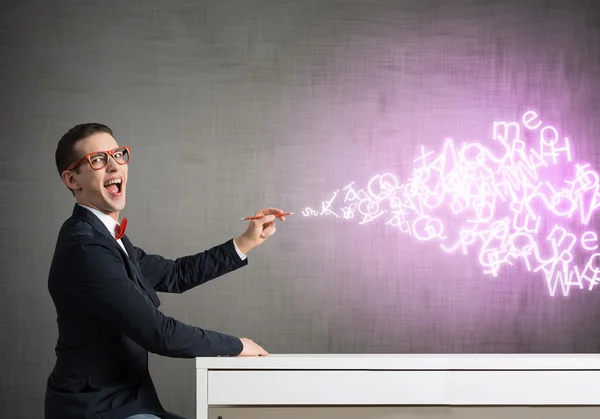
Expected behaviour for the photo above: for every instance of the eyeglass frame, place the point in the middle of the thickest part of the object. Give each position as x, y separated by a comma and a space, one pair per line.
88, 156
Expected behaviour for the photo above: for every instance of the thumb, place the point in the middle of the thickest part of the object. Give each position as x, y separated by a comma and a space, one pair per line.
265, 219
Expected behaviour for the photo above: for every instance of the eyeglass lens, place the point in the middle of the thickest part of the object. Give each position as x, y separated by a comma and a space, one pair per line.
99, 160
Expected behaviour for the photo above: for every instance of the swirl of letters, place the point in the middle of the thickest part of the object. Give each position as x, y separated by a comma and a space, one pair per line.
502, 207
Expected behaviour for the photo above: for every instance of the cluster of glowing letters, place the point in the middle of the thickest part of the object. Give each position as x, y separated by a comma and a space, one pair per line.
509, 207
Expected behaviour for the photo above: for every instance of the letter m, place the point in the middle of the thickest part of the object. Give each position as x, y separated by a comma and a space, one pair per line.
504, 134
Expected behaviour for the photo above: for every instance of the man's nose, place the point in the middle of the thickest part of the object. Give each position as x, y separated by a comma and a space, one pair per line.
111, 166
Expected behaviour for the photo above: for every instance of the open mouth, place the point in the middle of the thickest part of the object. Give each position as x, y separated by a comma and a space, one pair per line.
113, 186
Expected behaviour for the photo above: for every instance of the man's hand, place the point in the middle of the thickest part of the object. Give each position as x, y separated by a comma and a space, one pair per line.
251, 348
259, 230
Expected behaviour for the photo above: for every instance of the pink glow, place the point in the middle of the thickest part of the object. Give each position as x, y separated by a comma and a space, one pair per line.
500, 202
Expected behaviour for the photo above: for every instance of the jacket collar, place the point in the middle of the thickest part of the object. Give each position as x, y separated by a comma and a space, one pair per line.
107, 220
88, 216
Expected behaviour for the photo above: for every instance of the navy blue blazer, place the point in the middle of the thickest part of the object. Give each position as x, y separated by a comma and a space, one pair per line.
108, 319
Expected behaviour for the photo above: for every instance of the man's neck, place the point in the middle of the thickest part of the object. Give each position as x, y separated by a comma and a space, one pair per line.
113, 214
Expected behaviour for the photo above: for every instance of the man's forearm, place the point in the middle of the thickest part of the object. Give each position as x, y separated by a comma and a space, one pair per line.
184, 273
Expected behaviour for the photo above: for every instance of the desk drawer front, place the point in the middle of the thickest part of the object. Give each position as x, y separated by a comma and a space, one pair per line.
324, 387
523, 387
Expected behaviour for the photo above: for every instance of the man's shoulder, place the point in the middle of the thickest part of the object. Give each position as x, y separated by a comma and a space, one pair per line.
77, 227
80, 247
76, 231
77, 237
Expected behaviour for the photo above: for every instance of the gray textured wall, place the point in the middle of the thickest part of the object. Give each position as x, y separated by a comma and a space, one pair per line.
233, 105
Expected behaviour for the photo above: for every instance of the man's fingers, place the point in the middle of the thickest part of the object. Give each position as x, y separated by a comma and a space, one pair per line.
251, 348
268, 229
264, 220
268, 215
271, 210
261, 350
267, 232
265, 225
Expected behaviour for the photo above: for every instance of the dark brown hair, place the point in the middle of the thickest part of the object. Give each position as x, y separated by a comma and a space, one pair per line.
65, 151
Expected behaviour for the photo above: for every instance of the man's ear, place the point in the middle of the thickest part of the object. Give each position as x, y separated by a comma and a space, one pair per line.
69, 179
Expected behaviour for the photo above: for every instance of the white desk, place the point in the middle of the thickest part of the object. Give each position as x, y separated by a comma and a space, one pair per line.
348, 379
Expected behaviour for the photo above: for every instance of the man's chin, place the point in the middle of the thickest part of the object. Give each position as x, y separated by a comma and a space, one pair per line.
119, 204
115, 202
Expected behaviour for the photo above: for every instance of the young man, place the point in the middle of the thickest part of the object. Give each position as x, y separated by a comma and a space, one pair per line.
104, 289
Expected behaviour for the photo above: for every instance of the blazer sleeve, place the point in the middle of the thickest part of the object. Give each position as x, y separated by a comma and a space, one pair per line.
185, 273
103, 287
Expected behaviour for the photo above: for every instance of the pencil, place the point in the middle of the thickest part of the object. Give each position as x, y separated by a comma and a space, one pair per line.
256, 217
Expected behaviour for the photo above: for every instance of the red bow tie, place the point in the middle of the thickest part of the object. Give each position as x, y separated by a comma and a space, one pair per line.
120, 229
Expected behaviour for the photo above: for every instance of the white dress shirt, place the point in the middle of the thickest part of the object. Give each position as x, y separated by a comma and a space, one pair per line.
111, 225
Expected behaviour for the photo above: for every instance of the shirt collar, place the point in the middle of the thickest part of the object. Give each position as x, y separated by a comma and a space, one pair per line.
107, 220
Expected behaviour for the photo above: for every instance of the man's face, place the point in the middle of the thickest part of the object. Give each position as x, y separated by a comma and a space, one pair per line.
97, 188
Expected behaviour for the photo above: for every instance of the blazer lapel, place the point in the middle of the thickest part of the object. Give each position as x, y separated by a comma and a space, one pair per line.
130, 261
135, 268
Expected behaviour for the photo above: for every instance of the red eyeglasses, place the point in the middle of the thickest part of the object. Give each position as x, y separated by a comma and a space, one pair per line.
99, 159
